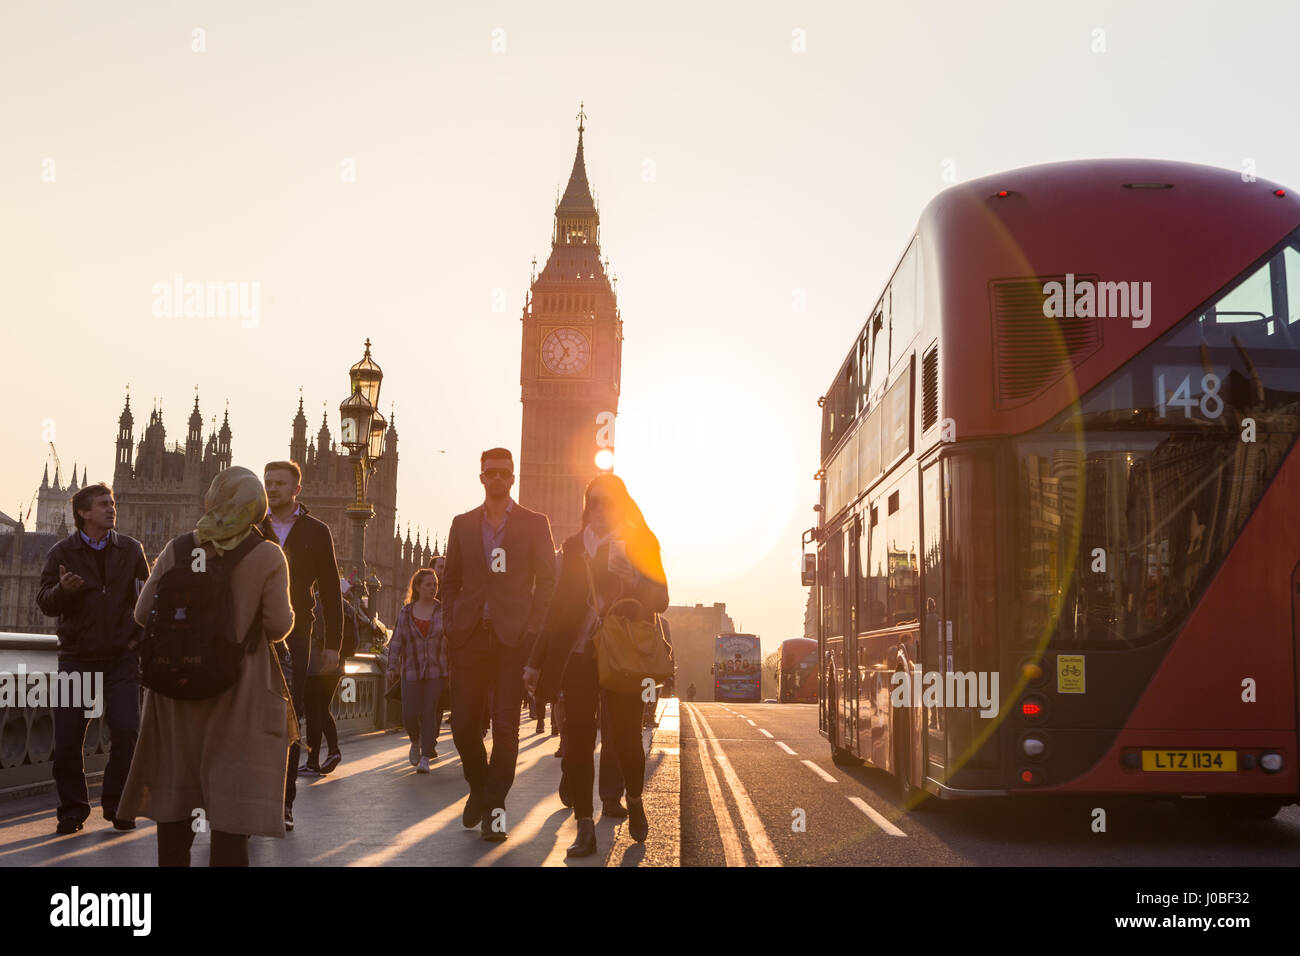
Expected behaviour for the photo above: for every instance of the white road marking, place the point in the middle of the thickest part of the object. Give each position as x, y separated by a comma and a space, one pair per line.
731, 850
876, 817
750, 722
819, 771
758, 840
765, 733
786, 749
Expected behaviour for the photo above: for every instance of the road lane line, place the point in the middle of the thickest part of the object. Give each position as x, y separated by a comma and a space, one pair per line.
731, 849
819, 771
876, 817
750, 722
758, 840
786, 749
766, 734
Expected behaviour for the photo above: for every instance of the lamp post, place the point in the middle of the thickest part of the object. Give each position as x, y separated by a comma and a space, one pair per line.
363, 430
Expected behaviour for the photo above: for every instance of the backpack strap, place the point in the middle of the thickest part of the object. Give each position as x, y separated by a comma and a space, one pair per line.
230, 559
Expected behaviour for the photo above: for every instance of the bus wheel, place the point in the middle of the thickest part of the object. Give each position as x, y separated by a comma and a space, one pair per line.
914, 797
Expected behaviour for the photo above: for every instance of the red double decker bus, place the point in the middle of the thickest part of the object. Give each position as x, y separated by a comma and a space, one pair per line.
1059, 543
797, 678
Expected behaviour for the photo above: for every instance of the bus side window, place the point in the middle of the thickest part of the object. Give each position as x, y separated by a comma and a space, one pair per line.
903, 299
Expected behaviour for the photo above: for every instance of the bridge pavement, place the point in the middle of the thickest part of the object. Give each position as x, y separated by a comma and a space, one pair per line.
375, 810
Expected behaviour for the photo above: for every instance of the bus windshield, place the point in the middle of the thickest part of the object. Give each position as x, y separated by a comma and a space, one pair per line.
1128, 502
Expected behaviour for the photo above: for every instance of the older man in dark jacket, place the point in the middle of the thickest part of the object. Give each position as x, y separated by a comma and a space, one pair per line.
90, 582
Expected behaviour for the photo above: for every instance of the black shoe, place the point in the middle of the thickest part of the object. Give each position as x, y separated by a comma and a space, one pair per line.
541, 727
473, 812
120, 824
566, 794
554, 731
332, 761
613, 808
69, 825
585, 844
493, 827
307, 770
288, 818
638, 827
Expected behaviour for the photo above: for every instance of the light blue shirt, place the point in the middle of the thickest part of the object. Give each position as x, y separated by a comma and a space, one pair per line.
97, 545
492, 539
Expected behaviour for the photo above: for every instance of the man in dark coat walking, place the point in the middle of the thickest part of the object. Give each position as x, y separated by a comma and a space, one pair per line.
499, 579
309, 548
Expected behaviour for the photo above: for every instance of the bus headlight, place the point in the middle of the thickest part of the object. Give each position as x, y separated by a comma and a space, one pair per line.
1271, 761
1034, 747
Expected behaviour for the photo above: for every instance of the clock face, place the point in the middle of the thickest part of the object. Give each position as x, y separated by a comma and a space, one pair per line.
566, 351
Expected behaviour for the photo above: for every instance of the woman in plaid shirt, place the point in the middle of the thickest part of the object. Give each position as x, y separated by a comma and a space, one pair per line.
417, 653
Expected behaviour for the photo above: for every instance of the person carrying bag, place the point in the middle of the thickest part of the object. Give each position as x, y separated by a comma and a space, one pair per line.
628, 650
219, 750
602, 639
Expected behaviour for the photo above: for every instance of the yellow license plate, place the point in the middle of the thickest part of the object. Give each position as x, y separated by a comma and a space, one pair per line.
1190, 760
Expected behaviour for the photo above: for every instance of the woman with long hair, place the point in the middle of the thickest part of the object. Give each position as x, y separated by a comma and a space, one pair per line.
225, 754
611, 567
417, 653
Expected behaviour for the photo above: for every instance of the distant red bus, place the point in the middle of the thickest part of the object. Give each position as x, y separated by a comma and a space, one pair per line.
1059, 459
797, 679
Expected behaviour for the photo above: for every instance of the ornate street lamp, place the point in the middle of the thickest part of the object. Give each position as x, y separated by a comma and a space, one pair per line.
362, 430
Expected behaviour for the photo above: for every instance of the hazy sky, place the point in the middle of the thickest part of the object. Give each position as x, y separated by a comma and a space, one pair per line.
746, 156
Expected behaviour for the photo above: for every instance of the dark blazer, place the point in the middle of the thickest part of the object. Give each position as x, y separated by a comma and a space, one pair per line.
519, 596
97, 621
309, 549
571, 615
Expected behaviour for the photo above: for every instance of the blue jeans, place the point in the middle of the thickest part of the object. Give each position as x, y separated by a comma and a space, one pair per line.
121, 705
421, 714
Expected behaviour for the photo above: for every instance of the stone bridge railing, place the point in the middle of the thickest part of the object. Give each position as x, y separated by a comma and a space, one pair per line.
27, 733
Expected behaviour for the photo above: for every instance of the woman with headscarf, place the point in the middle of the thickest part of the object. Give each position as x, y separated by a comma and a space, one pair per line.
621, 553
224, 756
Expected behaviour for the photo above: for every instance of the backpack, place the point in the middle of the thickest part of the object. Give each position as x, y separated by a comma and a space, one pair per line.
190, 650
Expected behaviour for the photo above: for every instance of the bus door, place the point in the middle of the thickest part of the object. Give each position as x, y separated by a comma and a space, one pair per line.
1295, 634
853, 675
936, 629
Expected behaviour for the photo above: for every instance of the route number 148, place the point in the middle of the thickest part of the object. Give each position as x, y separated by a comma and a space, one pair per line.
1210, 403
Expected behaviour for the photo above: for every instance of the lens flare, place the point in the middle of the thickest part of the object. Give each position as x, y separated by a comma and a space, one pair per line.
605, 459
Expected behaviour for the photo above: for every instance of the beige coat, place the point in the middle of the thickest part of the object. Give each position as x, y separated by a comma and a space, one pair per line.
227, 754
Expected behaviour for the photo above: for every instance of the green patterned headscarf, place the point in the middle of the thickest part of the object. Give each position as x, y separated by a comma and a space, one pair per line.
235, 502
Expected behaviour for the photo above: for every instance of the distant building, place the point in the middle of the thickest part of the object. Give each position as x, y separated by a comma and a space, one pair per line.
694, 632
54, 502
22, 555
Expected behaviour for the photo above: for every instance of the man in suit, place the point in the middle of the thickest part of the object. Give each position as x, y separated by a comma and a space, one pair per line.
497, 586
309, 548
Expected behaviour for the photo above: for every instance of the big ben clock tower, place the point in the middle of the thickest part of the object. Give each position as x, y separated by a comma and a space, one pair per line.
571, 362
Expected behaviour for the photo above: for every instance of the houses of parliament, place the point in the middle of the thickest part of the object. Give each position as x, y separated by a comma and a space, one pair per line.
159, 490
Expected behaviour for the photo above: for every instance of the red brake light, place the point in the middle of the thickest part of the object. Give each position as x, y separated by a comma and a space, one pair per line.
1030, 708
1003, 194
1279, 192
1027, 776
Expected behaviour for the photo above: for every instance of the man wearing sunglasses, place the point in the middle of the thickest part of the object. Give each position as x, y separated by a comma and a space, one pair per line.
497, 586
